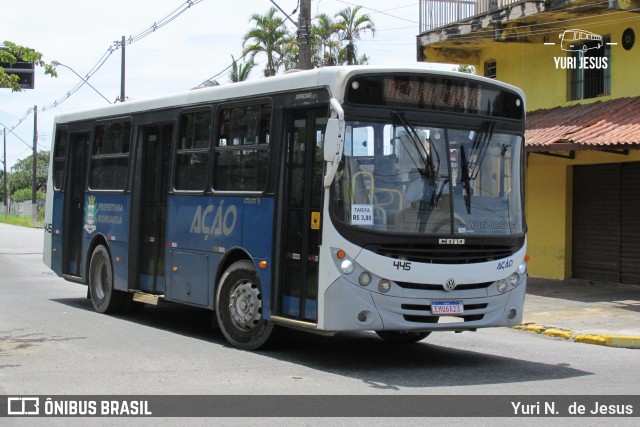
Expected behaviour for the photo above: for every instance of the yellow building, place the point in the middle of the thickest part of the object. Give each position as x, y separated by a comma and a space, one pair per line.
579, 65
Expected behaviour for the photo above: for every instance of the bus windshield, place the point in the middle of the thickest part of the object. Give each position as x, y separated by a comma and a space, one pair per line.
398, 177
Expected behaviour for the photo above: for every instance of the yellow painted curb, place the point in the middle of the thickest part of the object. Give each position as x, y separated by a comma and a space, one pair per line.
620, 341
590, 339
533, 328
558, 333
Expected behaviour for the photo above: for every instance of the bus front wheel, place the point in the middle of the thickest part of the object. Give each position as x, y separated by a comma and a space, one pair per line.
402, 337
239, 307
104, 298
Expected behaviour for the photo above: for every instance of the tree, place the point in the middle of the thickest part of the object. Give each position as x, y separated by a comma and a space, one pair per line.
11, 55
21, 173
352, 27
266, 37
240, 72
325, 41
469, 69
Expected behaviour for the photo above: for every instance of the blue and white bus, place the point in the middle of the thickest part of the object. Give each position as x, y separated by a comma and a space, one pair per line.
335, 199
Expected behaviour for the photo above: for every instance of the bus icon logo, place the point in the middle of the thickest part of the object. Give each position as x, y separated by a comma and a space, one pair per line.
23, 406
574, 40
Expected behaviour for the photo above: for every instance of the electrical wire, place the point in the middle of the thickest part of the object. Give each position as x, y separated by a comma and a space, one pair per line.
110, 50
204, 83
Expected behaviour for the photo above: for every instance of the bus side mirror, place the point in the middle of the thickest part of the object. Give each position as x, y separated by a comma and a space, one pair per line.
333, 138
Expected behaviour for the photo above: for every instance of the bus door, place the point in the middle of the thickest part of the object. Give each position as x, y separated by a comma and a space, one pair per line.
156, 152
302, 214
73, 205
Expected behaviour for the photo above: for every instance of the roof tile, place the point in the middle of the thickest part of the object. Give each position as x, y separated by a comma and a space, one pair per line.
588, 126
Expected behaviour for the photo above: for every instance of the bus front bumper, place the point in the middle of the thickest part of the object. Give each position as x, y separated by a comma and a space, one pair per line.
349, 308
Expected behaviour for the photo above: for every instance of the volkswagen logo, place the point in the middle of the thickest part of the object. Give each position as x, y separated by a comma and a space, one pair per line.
449, 285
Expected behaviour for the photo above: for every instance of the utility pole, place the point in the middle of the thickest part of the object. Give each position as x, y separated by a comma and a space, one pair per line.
34, 209
122, 68
6, 205
304, 35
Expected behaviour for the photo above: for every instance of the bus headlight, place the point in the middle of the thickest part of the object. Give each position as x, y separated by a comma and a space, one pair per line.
514, 279
522, 268
347, 266
384, 286
365, 278
502, 285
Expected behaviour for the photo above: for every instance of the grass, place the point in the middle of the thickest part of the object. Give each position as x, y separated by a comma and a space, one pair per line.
22, 221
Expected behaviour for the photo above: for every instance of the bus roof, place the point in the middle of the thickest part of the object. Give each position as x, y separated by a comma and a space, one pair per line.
319, 77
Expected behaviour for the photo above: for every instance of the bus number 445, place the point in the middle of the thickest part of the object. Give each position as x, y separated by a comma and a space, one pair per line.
399, 265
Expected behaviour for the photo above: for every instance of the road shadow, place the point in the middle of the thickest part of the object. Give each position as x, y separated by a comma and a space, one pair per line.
359, 355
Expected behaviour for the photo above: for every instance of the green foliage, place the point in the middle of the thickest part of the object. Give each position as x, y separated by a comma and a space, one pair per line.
240, 72
24, 194
21, 173
266, 37
469, 69
22, 221
352, 27
11, 55
333, 40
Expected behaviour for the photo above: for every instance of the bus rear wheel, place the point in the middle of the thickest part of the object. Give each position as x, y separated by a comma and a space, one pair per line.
239, 307
104, 298
402, 337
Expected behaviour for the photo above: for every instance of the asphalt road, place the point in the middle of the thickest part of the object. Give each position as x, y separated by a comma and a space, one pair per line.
53, 343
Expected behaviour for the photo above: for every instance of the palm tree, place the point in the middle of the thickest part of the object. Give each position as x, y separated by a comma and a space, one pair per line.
288, 52
352, 27
266, 37
240, 72
324, 36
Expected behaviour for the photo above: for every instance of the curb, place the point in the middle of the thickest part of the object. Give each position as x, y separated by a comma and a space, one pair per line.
609, 340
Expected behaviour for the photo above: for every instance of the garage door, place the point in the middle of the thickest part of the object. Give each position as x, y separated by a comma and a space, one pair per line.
606, 230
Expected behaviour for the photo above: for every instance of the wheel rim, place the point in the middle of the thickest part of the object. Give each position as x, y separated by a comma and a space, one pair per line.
245, 305
101, 278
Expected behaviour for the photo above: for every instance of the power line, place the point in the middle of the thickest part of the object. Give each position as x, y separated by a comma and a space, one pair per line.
380, 11
15, 134
110, 50
204, 83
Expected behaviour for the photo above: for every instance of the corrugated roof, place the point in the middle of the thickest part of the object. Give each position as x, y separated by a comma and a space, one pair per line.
586, 126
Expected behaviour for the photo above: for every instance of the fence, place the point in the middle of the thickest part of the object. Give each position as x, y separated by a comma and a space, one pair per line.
20, 208
438, 13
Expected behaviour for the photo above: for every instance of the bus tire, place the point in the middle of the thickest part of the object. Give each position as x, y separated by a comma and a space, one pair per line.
104, 298
239, 307
402, 337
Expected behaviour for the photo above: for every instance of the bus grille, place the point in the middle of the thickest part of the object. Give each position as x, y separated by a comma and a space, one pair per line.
438, 287
439, 254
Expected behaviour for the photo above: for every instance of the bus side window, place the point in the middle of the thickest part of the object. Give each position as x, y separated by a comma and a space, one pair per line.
241, 153
59, 154
192, 154
110, 156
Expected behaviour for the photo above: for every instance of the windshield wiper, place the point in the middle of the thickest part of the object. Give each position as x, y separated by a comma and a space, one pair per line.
432, 170
480, 147
466, 181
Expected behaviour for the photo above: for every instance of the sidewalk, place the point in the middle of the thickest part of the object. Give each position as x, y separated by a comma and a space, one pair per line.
583, 311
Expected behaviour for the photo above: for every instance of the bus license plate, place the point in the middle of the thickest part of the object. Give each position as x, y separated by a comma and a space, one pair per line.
442, 308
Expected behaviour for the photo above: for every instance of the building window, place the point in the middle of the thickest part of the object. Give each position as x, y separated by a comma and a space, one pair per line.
590, 73
490, 69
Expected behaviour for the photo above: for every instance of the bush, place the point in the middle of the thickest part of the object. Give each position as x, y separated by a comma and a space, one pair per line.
24, 194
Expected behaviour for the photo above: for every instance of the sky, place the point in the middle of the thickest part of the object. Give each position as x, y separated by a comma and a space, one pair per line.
187, 51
